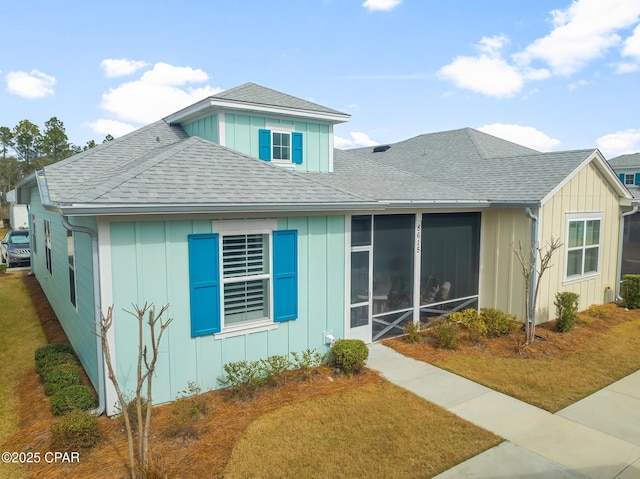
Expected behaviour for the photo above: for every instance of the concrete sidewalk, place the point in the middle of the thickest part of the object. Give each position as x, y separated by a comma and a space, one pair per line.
597, 437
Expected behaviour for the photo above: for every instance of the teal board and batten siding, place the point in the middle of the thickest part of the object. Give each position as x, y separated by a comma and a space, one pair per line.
206, 128
78, 324
150, 263
241, 134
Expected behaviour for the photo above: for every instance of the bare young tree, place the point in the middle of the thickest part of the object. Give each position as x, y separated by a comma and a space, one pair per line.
532, 271
145, 369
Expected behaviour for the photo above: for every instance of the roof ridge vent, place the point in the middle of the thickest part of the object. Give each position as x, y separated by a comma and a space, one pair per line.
381, 148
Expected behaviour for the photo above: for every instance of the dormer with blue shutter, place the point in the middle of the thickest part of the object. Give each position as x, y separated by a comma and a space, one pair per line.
266, 124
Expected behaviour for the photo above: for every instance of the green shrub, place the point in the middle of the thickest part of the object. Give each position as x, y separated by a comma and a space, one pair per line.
75, 430
3, 268
497, 322
54, 359
305, 361
566, 310
630, 291
273, 367
49, 349
599, 311
471, 320
412, 332
71, 399
243, 376
189, 405
59, 377
348, 355
446, 334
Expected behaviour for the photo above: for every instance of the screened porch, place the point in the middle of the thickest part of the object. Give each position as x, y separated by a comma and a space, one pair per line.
410, 267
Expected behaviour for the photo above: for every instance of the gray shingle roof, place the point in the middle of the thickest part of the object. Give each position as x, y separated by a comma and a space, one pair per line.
631, 160
188, 170
252, 93
363, 176
481, 164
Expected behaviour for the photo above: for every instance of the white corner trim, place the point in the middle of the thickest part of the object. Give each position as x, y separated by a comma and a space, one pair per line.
331, 147
106, 297
222, 130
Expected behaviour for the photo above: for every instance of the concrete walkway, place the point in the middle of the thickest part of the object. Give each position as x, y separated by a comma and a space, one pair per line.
597, 437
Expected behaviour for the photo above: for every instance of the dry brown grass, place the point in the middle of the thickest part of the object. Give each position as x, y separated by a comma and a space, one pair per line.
403, 425
554, 372
375, 430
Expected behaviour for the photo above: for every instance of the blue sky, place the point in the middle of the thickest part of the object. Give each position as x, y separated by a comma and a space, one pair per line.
553, 75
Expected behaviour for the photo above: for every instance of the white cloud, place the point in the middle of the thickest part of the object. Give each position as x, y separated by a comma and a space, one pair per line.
158, 93
619, 143
484, 74
626, 67
118, 67
30, 85
357, 139
110, 127
382, 5
582, 32
170, 75
632, 44
523, 135
578, 84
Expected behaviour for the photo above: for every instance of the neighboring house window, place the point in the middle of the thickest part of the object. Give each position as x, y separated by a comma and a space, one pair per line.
280, 146
34, 241
47, 246
583, 245
628, 180
242, 281
72, 269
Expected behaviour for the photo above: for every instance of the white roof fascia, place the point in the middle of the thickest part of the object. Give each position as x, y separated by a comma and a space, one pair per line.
199, 110
80, 209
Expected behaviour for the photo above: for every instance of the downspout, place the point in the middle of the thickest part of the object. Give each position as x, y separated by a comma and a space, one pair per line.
534, 258
620, 242
96, 295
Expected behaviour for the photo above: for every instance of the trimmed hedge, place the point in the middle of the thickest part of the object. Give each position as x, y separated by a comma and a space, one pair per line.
71, 399
75, 430
59, 377
348, 355
49, 349
54, 359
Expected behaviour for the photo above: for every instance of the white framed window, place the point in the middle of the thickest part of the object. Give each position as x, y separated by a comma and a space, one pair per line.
629, 179
245, 273
246, 278
47, 246
73, 291
583, 244
281, 146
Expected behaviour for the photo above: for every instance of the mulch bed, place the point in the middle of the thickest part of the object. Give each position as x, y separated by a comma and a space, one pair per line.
197, 449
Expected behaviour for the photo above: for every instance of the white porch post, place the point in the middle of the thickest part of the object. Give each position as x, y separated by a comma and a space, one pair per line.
417, 261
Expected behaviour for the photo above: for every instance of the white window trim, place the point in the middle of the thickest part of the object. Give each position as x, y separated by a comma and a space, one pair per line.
570, 217
245, 227
72, 237
282, 128
48, 246
626, 178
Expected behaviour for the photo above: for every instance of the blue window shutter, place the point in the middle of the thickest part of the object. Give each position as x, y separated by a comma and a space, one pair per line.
621, 176
285, 275
636, 179
264, 145
296, 148
204, 284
